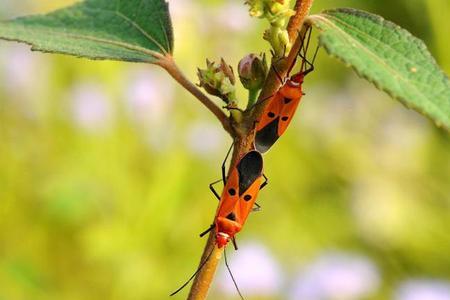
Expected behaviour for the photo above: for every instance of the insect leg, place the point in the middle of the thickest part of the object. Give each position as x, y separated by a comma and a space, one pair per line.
261, 102
207, 230
224, 178
257, 208
304, 48
308, 32
213, 190
234, 243
266, 182
311, 64
278, 74
306, 62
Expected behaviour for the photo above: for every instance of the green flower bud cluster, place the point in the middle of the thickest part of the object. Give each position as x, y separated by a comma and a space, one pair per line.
277, 12
218, 80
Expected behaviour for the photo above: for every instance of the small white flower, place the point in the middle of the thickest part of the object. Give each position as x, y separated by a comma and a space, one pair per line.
149, 98
234, 17
91, 109
423, 289
24, 79
205, 139
339, 276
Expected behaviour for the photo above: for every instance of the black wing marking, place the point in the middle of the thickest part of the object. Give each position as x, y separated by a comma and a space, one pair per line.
267, 136
249, 168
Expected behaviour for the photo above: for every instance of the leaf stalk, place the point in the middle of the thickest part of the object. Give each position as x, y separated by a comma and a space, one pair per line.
169, 65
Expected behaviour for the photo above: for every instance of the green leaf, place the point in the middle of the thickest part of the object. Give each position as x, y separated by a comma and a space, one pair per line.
389, 57
125, 30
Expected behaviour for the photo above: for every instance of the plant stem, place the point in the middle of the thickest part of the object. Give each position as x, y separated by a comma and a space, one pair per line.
203, 280
301, 12
243, 143
169, 65
252, 97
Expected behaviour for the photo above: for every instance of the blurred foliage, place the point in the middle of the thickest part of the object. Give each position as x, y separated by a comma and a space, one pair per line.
105, 166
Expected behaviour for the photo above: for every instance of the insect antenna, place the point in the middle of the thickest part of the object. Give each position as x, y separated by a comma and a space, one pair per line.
302, 47
195, 274
231, 274
311, 64
308, 66
305, 50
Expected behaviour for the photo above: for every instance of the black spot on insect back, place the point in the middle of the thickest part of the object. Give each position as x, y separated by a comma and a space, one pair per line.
231, 216
271, 114
247, 197
285, 118
287, 100
232, 192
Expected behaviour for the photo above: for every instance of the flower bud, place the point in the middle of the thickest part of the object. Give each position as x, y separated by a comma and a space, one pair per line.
253, 71
277, 12
218, 80
279, 40
256, 8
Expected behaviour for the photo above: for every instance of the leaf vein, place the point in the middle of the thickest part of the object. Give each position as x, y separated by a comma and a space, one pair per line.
375, 57
106, 41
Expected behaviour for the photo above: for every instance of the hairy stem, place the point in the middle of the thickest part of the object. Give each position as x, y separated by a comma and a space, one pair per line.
169, 65
202, 282
244, 139
301, 12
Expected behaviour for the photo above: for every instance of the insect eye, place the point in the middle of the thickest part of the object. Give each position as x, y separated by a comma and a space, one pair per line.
287, 100
285, 118
271, 114
247, 197
232, 192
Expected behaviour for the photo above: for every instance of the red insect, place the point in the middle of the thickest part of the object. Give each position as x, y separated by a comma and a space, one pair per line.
236, 202
282, 106
238, 197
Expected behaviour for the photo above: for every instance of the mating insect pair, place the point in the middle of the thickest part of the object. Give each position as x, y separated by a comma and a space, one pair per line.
245, 179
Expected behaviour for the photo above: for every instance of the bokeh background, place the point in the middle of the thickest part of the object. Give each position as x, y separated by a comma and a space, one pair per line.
105, 166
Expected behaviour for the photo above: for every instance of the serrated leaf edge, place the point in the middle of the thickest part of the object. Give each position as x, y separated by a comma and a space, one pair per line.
311, 20
153, 54
35, 47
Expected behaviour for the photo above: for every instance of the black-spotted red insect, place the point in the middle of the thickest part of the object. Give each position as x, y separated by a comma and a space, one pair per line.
237, 200
238, 197
282, 106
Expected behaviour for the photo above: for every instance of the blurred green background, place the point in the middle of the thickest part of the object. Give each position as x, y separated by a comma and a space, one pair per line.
105, 166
